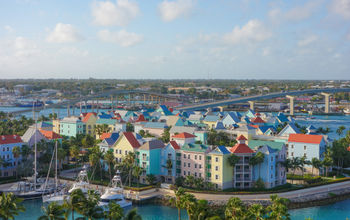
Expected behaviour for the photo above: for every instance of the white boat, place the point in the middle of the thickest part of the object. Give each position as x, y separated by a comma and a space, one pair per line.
347, 111
114, 193
82, 182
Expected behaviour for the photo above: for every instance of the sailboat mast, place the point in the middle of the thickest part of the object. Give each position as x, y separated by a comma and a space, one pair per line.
35, 147
56, 167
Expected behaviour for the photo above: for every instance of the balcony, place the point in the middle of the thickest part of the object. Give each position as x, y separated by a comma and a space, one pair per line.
145, 158
178, 162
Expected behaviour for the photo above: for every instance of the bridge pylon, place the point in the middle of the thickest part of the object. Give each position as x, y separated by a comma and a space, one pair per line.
326, 102
251, 105
291, 104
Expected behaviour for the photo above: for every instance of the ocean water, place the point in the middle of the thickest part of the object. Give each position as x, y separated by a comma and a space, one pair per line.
336, 211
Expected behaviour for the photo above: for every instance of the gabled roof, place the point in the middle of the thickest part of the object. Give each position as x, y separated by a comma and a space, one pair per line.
153, 144
233, 116
305, 138
253, 144
174, 145
30, 132
257, 120
291, 126
265, 149
219, 126
164, 109
311, 127
131, 139
159, 125
241, 149
263, 129
195, 147
50, 134
71, 119
241, 138
10, 139
282, 118
211, 118
141, 118
103, 115
220, 150
87, 116
184, 135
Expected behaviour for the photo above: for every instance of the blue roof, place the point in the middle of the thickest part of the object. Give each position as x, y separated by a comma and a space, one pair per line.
165, 110
219, 126
103, 115
311, 127
295, 128
211, 118
223, 149
155, 125
263, 129
234, 116
282, 118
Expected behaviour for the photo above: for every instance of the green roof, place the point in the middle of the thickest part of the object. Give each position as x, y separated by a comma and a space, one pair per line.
273, 144
195, 147
107, 121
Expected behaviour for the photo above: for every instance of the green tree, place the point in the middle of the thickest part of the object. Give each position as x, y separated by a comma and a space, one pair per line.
327, 160
90, 208
16, 151
133, 215
166, 135
151, 179
137, 171
278, 209
75, 201
315, 163
257, 159
257, 212
74, 152
10, 206
235, 209
109, 158
179, 200
53, 211
340, 130
115, 212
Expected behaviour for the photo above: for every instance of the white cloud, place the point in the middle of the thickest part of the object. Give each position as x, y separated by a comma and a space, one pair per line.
253, 31
266, 51
9, 29
341, 7
74, 51
307, 40
302, 12
170, 10
110, 14
64, 33
122, 37
24, 47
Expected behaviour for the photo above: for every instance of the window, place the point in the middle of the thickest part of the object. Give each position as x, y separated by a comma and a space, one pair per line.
189, 165
216, 159
200, 157
184, 164
189, 156
292, 146
292, 154
200, 175
195, 174
120, 151
271, 159
184, 172
304, 147
195, 157
188, 173
184, 156
216, 168
304, 154
126, 152
216, 177
271, 167
200, 166
195, 165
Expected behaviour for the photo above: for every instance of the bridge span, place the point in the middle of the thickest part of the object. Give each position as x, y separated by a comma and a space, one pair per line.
290, 94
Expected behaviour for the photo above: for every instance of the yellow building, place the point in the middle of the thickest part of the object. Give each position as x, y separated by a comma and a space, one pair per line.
56, 126
126, 143
221, 172
210, 121
90, 122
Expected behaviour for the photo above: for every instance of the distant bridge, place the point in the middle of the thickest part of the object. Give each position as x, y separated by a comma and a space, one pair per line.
289, 94
150, 97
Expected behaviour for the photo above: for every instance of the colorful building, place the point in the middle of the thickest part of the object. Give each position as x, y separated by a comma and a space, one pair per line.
90, 122
193, 160
71, 126
7, 143
170, 152
126, 143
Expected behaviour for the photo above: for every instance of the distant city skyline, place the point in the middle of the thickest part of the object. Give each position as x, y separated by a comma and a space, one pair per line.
178, 39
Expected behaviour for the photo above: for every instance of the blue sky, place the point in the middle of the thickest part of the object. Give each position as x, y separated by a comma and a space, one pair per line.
173, 39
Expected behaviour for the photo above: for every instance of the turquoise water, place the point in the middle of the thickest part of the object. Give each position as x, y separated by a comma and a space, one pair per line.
148, 212
339, 210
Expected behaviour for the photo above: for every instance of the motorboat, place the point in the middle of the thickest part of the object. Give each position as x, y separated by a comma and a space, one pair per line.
82, 181
347, 111
114, 193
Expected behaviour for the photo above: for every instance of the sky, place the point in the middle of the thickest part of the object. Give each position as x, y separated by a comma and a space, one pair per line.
175, 39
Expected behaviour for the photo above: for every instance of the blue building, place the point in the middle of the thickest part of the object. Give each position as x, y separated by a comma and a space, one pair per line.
10, 162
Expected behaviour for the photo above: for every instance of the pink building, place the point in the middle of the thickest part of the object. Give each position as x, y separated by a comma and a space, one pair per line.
193, 160
184, 138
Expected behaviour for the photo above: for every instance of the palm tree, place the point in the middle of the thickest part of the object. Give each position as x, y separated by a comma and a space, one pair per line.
190, 203
169, 166
258, 158
189, 181
93, 160
257, 212
74, 152
295, 164
133, 215
327, 160
115, 212
235, 209
90, 208
303, 162
61, 155
233, 160
100, 129
16, 151
136, 172
10, 206
53, 211
76, 200
278, 209
109, 158
129, 163
315, 163
340, 130
151, 179
67, 209
179, 194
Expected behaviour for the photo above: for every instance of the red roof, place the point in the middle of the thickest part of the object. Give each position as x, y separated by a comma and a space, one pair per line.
184, 135
241, 138
241, 149
87, 116
348, 149
10, 139
257, 120
50, 134
175, 145
305, 138
141, 118
105, 135
254, 126
132, 139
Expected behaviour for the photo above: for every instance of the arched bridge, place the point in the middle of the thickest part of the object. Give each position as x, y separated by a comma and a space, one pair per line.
289, 94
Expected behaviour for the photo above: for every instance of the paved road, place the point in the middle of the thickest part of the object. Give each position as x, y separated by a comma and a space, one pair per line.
308, 192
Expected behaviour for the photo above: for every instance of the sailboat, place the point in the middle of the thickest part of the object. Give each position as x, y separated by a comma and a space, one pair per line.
58, 195
114, 193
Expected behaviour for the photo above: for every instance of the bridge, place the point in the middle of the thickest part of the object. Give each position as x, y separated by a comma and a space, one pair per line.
150, 97
250, 99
